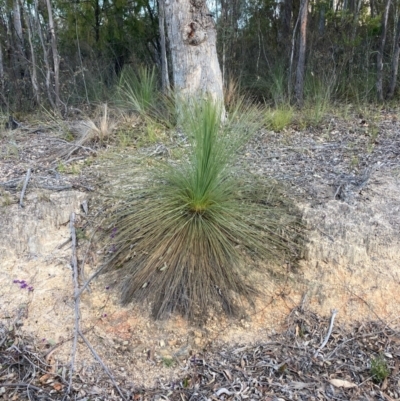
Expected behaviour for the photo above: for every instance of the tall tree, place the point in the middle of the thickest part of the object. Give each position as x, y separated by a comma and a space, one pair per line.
395, 62
299, 86
379, 74
192, 39
164, 60
56, 57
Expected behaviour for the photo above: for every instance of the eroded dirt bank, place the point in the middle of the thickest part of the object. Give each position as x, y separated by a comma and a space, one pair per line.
346, 182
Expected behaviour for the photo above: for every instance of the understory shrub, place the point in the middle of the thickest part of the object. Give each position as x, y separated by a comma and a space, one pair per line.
182, 234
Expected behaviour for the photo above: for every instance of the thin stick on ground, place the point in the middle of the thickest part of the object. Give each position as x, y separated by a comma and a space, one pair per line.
84, 261
97, 357
93, 276
21, 198
74, 263
77, 292
334, 313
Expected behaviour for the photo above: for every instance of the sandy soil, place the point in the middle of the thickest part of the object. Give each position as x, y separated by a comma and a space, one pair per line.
352, 264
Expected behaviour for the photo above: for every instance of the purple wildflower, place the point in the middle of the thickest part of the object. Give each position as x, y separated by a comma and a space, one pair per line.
114, 231
108, 287
30, 288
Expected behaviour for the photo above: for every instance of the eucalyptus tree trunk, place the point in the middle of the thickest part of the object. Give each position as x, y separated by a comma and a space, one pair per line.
45, 57
56, 57
192, 40
164, 60
1, 69
18, 40
379, 72
2, 96
395, 63
33, 65
299, 86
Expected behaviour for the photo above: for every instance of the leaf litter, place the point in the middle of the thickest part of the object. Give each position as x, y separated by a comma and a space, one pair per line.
282, 367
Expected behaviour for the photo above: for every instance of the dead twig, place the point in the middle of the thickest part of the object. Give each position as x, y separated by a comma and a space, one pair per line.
21, 198
334, 313
20, 384
55, 187
11, 183
97, 357
48, 353
74, 264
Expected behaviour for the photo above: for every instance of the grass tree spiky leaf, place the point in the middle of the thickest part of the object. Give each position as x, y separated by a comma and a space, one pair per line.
182, 238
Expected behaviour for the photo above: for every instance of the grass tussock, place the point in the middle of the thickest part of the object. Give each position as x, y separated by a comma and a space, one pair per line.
279, 118
183, 236
138, 90
98, 130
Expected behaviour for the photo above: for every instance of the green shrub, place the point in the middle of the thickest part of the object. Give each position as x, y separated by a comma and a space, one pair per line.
279, 118
379, 369
183, 234
138, 90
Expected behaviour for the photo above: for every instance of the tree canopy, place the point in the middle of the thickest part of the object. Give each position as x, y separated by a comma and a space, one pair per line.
351, 48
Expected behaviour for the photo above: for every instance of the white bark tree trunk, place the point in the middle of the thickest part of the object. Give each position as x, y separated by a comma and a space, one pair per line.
56, 57
379, 73
33, 66
164, 60
192, 39
45, 56
299, 86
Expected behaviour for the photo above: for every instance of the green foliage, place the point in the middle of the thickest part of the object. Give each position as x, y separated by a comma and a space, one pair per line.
183, 237
168, 362
138, 90
317, 101
278, 85
279, 118
379, 369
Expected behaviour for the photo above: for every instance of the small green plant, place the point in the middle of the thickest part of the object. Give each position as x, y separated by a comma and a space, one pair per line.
379, 368
355, 162
138, 90
69, 136
11, 150
184, 233
62, 168
69, 169
168, 362
279, 118
317, 100
81, 234
5, 198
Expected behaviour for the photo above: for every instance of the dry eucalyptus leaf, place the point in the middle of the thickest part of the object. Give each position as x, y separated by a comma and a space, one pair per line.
342, 383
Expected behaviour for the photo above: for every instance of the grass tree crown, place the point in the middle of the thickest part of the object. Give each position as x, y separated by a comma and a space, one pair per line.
183, 239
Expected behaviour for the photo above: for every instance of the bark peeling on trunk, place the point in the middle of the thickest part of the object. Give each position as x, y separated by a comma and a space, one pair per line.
192, 38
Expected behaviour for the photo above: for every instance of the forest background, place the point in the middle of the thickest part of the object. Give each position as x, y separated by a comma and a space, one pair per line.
63, 53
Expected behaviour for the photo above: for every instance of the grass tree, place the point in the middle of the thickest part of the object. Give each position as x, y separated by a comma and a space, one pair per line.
184, 237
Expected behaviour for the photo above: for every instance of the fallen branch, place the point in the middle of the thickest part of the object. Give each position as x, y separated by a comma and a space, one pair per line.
94, 275
334, 313
11, 184
97, 357
62, 342
27, 385
21, 198
77, 331
55, 187
74, 265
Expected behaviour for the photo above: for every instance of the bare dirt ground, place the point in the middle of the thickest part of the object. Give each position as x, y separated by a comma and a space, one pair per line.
345, 177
